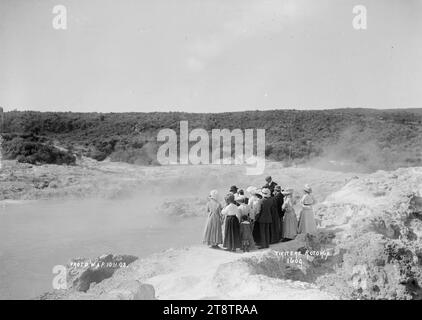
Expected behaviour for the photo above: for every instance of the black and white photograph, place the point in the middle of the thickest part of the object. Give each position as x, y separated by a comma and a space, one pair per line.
193, 150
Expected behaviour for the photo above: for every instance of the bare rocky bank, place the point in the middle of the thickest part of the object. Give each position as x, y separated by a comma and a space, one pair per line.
368, 247
87, 179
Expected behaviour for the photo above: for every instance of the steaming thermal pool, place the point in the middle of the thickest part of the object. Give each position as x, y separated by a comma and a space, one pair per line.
35, 236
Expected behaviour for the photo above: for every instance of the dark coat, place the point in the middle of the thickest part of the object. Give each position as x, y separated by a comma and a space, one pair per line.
263, 222
278, 203
267, 211
279, 200
275, 229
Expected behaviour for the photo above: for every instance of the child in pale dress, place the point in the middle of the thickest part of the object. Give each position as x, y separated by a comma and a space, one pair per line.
246, 238
244, 209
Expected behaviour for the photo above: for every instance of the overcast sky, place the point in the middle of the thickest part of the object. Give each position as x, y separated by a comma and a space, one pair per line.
209, 55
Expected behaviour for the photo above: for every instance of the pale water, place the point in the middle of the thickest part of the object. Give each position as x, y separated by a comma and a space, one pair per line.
36, 236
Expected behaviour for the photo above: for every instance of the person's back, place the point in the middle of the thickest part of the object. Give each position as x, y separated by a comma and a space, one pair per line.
230, 210
278, 200
244, 210
267, 205
242, 194
213, 233
307, 223
246, 237
290, 223
288, 205
245, 227
307, 200
213, 206
254, 205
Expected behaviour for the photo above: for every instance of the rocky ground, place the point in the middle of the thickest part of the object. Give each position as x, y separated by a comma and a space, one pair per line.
368, 247
378, 235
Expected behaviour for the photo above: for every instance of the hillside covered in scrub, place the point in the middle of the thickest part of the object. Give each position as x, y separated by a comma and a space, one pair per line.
370, 139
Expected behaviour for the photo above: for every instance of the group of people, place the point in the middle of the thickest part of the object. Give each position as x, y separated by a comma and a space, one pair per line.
261, 217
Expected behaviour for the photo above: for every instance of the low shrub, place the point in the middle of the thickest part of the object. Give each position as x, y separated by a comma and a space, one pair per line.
30, 149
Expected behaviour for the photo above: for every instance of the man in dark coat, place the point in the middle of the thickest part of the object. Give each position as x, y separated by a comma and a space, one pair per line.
233, 189
270, 184
262, 227
278, 202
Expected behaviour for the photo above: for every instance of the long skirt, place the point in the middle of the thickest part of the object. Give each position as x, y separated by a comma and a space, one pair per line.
281, 227
289, 225
246, 237
261, 234
231, 233
256, 233
307, 222
275, 228
213, 234
265, 232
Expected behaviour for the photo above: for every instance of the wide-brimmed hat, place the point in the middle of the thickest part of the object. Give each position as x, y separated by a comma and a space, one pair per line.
287, 191
268, 178
307, 188
251, 190
213, 194
233, 189
266, 193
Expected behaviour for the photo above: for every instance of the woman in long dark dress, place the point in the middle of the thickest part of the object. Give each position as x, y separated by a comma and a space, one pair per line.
275, 230
279, 200
232, 229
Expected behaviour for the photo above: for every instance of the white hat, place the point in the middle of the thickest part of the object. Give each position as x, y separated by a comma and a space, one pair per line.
266, 192
307, 188
252, 190
287, 191
213, 194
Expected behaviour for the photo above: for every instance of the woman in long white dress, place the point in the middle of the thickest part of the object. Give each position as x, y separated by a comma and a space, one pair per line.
213, 235
289, 226
307, 222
